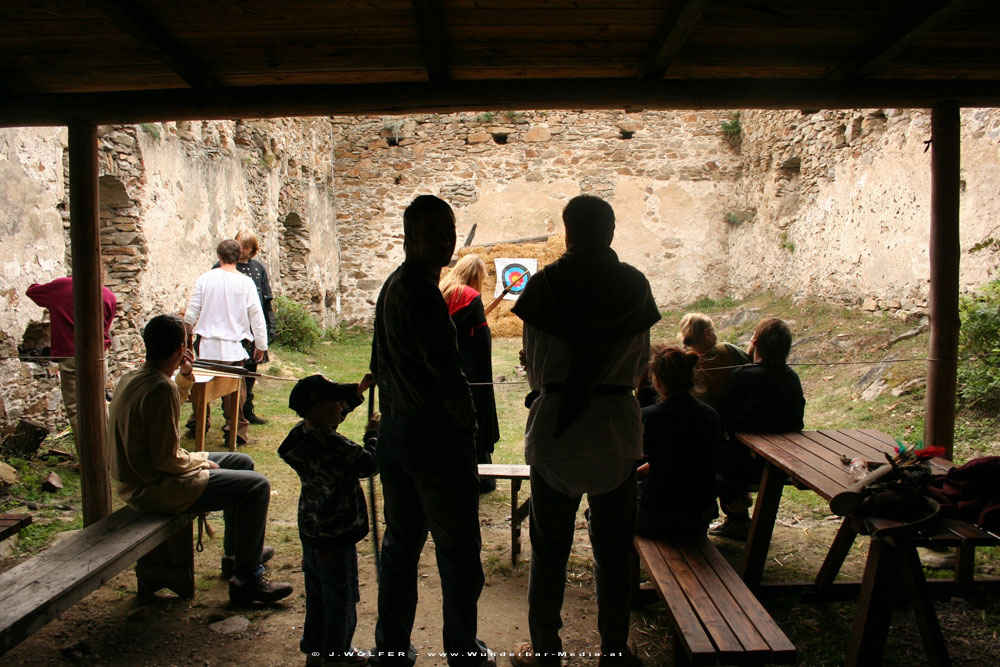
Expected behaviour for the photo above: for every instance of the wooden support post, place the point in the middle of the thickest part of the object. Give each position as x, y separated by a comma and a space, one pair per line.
88, 318
945, 251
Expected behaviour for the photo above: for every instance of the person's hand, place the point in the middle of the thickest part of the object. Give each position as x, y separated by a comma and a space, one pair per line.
186, 368
521, 357
258, 355
212, 465
367, 381
373, 422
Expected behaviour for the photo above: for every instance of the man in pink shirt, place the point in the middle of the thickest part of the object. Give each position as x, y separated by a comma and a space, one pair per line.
57, 297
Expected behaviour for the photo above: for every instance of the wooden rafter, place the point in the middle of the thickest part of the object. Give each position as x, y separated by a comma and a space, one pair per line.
910, 27
399, 98
131, 17
430, 24
681, 20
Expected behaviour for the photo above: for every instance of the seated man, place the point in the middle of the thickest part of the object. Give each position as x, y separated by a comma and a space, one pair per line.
763, 397
155, 474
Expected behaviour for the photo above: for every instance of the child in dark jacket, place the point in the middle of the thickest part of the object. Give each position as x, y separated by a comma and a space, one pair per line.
333, 515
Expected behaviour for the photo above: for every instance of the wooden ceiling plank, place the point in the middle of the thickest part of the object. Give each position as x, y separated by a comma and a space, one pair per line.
430, 25
681, 20
911, 26
131, 17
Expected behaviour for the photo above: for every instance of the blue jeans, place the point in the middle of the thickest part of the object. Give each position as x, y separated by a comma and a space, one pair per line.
611, 524
331, 577
428, 486
243, 495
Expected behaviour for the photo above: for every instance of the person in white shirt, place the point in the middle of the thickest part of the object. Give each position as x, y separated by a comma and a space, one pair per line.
224, 311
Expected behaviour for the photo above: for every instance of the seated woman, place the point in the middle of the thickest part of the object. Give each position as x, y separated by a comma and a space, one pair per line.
460, 289
681, 440
715, 360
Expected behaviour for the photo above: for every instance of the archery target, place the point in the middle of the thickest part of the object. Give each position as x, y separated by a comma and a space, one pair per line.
510, 272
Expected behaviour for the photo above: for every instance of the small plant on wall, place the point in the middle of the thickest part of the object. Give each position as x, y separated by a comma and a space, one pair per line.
732, 132
736, 218
785, 243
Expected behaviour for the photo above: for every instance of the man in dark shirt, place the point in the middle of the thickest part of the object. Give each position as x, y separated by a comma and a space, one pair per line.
426, 453
763, 397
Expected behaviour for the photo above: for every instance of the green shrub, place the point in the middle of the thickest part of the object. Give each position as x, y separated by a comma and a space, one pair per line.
732, 132
708, 303
296, 328
979, 338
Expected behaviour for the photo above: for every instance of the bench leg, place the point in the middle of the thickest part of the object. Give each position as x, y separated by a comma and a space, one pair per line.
170, 565
965, 568
517, 516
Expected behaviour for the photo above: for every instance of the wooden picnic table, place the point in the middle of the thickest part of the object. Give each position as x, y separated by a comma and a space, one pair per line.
812, 459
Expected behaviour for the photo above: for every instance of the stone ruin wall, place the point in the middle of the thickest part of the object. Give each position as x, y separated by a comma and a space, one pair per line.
667, 174
169, 192
834, 204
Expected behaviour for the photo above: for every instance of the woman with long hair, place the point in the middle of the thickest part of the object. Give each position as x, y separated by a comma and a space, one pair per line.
461, 291
716, 361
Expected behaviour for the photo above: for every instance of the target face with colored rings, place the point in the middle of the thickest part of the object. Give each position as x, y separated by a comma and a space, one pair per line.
513, 273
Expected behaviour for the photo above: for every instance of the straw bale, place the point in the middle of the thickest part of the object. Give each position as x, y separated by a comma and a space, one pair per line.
504, 324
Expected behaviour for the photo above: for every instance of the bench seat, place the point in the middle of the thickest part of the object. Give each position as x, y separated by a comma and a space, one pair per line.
716, 619
41, 588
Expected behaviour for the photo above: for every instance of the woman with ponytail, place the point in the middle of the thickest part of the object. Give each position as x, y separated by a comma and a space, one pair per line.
681, 440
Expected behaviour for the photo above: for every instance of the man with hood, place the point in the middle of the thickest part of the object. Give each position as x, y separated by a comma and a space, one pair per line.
586, 342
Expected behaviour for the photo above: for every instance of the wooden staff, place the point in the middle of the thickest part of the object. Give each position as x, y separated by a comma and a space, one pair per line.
371, 495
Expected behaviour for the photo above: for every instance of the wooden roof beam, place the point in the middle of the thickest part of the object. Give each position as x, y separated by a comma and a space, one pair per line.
131, 17
430, 24
682, 17
910, 27
133, 107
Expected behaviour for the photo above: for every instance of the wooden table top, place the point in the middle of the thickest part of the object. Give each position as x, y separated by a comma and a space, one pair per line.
812, 458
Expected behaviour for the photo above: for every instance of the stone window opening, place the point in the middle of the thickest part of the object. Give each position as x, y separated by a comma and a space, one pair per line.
35, 347
625, 134
294, 249
499, 137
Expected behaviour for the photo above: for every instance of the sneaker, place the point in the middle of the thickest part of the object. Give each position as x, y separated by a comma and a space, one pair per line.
524, 656
732, 529
229, 562
260, 589
629, 659
254, 419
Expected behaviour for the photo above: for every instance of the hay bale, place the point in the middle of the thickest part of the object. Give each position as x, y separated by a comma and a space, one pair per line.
503, 323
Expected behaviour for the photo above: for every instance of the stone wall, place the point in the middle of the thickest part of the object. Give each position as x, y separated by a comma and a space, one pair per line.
837, 204
667, 174
168, 194
833, 204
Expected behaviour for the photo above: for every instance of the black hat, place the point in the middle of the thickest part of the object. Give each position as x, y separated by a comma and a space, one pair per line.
309, 391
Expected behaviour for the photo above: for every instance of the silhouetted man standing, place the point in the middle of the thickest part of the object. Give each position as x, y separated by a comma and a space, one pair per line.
427, 449
586, 341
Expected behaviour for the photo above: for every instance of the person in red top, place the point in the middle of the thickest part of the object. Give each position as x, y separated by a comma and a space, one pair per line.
57, 297
460, 289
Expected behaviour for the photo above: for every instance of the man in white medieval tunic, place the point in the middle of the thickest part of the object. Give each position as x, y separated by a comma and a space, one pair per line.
224, 311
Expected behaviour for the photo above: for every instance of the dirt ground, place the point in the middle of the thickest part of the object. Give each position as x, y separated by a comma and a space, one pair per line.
114, 626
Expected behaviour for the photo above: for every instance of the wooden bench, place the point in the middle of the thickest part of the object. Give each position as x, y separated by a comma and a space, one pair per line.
516, 474
716, 620
41, 588
11, 524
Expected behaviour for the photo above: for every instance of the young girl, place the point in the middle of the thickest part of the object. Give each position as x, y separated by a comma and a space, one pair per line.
681, 440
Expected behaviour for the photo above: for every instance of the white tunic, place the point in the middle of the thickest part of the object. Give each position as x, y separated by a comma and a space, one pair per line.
225, 310
598, 451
